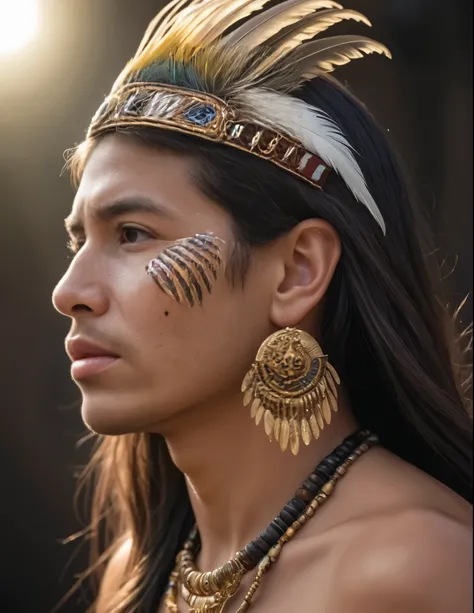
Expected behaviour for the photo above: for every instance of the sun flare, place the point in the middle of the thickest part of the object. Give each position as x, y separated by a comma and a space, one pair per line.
18, 24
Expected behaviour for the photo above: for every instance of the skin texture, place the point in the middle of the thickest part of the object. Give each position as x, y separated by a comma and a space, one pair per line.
388, 534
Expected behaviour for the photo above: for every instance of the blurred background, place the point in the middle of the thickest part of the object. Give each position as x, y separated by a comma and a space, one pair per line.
58, 60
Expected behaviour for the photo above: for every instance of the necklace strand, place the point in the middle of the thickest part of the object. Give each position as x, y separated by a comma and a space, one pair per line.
209, 592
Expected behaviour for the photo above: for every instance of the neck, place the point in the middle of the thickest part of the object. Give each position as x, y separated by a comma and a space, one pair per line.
237, 480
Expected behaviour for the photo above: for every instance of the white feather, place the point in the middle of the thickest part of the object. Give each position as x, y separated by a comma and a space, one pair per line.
317, 132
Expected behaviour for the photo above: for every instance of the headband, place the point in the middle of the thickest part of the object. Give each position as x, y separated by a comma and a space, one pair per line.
191, 75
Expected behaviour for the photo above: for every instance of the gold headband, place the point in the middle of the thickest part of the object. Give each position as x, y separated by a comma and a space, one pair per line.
181, 110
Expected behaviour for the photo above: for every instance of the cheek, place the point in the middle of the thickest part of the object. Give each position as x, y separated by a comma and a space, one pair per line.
180, 355
144, 310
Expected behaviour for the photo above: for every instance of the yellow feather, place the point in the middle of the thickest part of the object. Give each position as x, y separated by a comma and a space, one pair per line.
208, 21
188, 32
311, 26
314, 58
235, 11
258, 30
169, 43
158, 25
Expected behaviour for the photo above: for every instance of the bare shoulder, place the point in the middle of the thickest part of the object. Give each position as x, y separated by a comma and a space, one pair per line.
409, 547
418, 560
113, 576
390, 539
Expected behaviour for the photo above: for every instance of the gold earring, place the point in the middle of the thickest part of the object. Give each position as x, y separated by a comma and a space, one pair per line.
292, 386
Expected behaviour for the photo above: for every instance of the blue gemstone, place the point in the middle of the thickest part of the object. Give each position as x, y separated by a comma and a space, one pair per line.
200, 114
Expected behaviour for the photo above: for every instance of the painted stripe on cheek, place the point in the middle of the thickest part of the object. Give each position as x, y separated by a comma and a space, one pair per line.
182, 270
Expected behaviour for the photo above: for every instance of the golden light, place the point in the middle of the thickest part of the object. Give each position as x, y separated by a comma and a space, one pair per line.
18, 24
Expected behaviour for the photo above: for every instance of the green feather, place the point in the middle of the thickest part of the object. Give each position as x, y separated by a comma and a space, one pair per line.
170, 72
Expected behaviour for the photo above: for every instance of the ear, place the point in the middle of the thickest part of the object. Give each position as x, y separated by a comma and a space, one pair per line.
310, 254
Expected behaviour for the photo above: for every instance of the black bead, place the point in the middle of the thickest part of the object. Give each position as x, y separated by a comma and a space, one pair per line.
331, 462
287, 518
279, 524
340, 456
253, 554
291, 510
262, 545
294, 508
312, 487
325, 473
271, 535
298, 505
317, 480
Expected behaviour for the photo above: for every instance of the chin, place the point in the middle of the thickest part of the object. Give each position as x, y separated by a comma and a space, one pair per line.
111, 419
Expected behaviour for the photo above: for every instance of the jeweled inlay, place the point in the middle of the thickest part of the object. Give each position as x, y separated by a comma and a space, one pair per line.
200, 114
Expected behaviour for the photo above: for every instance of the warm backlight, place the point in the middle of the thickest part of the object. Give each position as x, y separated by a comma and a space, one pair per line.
18, 24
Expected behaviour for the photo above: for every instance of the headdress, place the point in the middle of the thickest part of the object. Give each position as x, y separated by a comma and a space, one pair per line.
224, 70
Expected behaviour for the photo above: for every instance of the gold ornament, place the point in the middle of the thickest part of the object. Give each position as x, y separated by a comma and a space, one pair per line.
292, 388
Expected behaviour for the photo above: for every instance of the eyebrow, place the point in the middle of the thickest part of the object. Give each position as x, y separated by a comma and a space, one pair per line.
135, 204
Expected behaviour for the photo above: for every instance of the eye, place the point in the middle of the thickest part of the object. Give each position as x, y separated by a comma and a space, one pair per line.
132, 234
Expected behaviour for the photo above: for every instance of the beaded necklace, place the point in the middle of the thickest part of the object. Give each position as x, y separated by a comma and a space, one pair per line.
209, 592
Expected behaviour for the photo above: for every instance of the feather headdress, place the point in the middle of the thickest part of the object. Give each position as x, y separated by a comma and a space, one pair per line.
225, 70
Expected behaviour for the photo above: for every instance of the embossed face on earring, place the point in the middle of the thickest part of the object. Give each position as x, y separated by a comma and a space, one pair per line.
186, 270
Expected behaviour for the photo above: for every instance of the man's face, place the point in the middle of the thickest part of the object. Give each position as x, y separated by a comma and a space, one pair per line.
165, 358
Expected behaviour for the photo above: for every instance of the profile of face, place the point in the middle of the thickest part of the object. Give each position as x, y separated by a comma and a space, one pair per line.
141, 357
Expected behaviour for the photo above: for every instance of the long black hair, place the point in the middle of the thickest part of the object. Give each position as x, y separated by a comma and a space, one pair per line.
385, 327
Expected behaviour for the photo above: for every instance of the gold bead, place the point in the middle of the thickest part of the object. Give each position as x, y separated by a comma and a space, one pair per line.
296, 525
321, 498
290, 533
274, 552
328, 488
309, 511
341, 470
303, 519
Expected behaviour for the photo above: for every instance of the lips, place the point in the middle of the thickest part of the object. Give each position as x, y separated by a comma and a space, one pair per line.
79, 349
89, 359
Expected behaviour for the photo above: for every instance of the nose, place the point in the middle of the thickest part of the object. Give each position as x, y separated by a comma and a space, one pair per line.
81, 290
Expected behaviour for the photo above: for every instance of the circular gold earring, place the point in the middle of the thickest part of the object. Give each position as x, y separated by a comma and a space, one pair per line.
292, 387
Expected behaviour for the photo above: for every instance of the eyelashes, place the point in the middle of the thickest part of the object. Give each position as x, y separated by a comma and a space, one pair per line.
124, 232
186, 270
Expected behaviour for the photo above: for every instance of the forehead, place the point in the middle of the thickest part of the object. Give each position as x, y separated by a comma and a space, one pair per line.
120, 168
